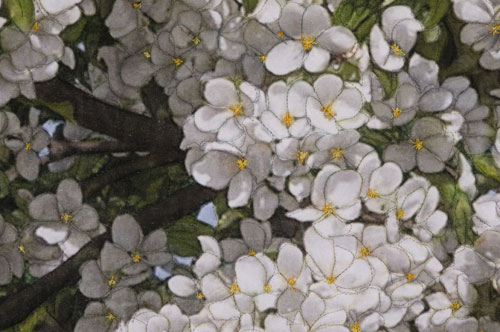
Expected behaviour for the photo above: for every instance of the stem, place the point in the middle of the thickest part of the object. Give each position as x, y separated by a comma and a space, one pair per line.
63, 149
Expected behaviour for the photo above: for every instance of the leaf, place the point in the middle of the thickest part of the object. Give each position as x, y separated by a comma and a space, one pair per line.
64, 109
4, 185
250, 5
73, 33
183, 236
388, 80
22, 13
348, 72
432, 50
456, 205
485, 164
437, 10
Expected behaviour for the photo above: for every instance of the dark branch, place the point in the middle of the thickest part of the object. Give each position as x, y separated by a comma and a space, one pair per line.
63, 149
16, 307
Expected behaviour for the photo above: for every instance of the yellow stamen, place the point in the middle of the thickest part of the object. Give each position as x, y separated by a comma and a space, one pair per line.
355, 327
251, 252
177, 61
410, 276
112, 281
455, 306
36, 26
365, 251
396, 50
280, 34
66, 217
328, 209
200, 295
494, 29
237, 109
396, 112
21, 249
147, 54
302, 156
27, 146
328, 112
331, 279
137, 5
262, 58
308, 42
267, 288
110, 316
287, 119
400, 214
337, 154
234, 288
242, 163
418, 144
136, 257
196, 40
291, 282
372, 193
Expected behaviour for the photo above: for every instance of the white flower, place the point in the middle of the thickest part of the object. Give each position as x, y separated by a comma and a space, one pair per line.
487, 212
382, 185
312, 39
397, 37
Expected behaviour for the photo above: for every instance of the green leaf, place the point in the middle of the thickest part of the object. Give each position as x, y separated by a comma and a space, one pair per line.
348, 72
437, 10
456, 205
388, 80
4, 185
64, 109
22, 13
73, 33
249, 5
183, 236
432, 50
485, 164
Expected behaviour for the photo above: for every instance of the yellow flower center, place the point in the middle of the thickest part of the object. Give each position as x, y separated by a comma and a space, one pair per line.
237, 109
177, 61
136, 5
328, 112
410, 276
400, 213
267, 288
242, 163
494, 29
355, 327
455, 306
396, 112
262, 58
66, 217
21, 249
234, 288
110, 316
336, 154
418, 144
136, 257
200, 295
308, 42
328, 209
280, 34
397, 50
291, 282
27, 146
111, 281
372, 193
287, 119
365, 251
36, 26
302, 156
331, 279
147, 54
196, 40
251, 252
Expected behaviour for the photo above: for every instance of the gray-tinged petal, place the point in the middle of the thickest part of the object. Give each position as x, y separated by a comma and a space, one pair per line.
44, 208
8, 233
428, 162
265, 203
69, 196
426, 127
150, 299
135, 267
94, 283
155, 241
39, 140
158, 258
477, 145
337, 40
122, 302
113, 258
259, 160
233, 249
291, 20
289, 301
5, 271
28, 164
15, 259
126, 232
253, 234
436, 100
441, 146
137, 70
86, 219
94, 324
424, 72
402, 154
215, 169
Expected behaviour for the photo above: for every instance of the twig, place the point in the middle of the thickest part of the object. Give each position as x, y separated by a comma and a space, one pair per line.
63, 149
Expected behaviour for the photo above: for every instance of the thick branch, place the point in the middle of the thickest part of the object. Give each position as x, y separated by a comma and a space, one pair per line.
63, 149
18, 306
110, 120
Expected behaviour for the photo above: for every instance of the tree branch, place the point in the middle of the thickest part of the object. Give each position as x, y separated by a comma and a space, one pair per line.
111, 120
63, 149
16, 307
